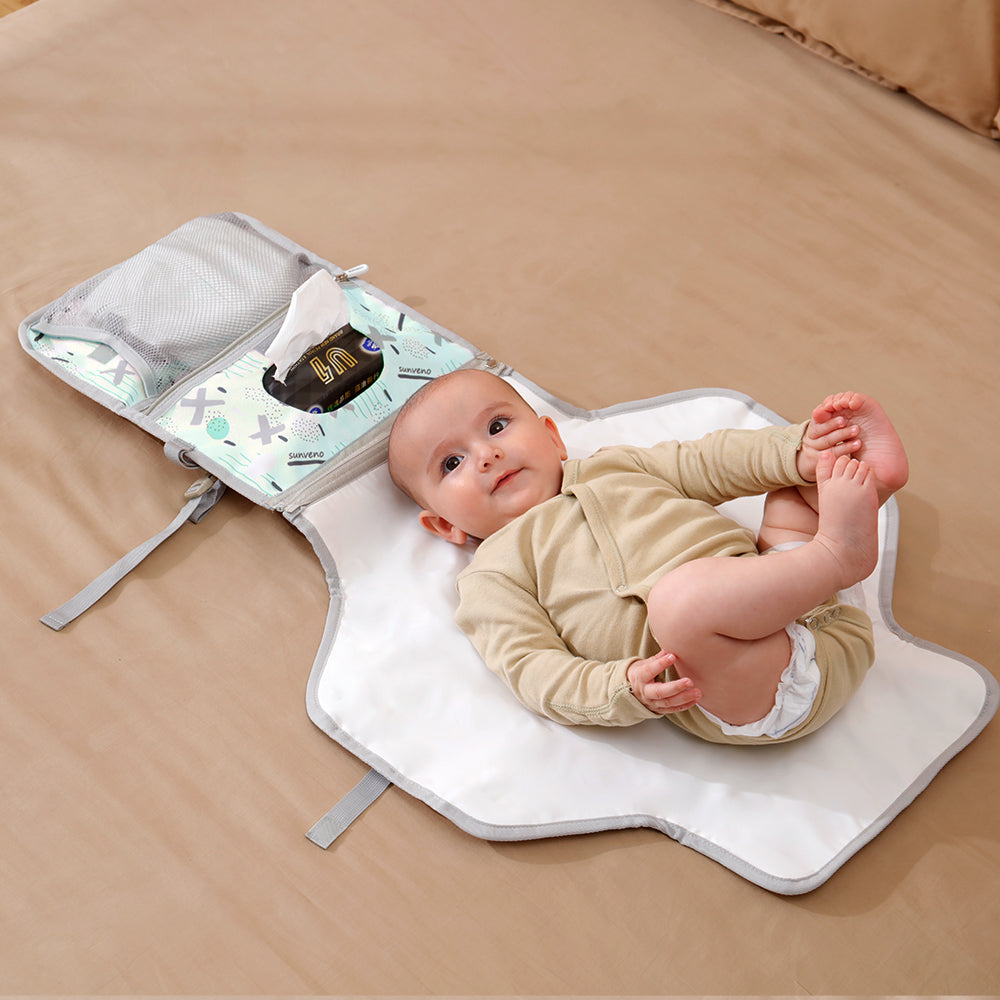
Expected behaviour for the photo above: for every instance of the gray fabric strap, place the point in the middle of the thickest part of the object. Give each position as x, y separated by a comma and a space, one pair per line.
201, 498
348, 809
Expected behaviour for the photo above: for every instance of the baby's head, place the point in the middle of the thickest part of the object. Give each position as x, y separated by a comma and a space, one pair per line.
473, 455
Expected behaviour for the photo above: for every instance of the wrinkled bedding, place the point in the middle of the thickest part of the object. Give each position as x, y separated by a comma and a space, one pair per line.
618, 202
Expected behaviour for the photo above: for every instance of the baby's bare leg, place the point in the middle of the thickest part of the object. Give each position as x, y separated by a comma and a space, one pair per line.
791, 514
724, 618
788, 517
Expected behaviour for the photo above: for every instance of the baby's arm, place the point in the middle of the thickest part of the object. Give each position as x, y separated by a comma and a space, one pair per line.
519, 643
723, 464
730, 463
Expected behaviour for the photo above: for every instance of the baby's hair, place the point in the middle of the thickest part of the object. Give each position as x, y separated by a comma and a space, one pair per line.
418, 398
408, 407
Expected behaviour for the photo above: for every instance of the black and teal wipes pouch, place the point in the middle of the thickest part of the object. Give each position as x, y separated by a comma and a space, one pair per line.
321, 361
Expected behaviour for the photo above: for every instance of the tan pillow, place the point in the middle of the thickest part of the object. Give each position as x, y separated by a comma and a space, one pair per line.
946, 54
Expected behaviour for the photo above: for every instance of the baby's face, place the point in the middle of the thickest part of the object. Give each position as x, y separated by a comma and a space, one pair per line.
476, 456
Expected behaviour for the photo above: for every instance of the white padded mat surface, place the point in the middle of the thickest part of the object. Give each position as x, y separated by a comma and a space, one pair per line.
399, 685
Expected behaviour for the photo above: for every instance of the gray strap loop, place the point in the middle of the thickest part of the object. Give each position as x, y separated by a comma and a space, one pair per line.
179, 455
201, 498
326, 830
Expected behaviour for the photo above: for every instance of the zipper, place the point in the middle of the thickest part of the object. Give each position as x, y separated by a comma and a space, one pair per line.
354, 461
358, 458
158, 405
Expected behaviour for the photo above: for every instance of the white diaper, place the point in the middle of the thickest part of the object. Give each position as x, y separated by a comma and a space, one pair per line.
796, 692
799, 681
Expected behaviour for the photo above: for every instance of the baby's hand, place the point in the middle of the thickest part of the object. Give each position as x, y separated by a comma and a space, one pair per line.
661, 697
825, 433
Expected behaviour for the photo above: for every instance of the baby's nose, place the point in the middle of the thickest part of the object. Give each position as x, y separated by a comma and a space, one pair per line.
489, 454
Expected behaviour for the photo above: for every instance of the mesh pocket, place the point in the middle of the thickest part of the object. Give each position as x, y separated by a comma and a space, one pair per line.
176, 304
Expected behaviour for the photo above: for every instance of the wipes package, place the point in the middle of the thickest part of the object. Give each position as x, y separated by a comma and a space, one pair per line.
319, 361
318, 309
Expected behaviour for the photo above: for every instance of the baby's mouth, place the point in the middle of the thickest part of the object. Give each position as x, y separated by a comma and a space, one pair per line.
505, 479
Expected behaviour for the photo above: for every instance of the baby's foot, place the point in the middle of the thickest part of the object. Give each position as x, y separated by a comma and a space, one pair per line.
848, 516
881, 447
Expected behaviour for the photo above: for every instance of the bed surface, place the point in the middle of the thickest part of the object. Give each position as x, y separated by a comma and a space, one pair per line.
617, 201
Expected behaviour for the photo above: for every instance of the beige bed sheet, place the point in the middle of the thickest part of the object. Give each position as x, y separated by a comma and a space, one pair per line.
619, 201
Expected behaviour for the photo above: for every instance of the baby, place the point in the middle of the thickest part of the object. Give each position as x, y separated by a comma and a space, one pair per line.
595, 591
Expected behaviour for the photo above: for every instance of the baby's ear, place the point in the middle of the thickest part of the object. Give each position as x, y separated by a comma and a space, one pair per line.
550, 426
437, 525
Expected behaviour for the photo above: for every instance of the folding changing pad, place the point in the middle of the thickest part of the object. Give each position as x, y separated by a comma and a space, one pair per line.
174, 339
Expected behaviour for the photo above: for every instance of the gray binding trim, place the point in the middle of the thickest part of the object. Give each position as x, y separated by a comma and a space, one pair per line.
516, 832
94, 336
202, 497
326, 830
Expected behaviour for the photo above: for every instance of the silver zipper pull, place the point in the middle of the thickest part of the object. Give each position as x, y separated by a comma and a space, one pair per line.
352, 272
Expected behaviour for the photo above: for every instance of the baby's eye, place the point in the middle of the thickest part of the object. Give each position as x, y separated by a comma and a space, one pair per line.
451, 463
497, 424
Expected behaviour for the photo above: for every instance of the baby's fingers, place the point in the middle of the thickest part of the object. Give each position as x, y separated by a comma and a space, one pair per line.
831, 434
644, 671
671, 696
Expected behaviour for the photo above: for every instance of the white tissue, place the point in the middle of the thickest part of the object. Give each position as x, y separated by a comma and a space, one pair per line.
318, 308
